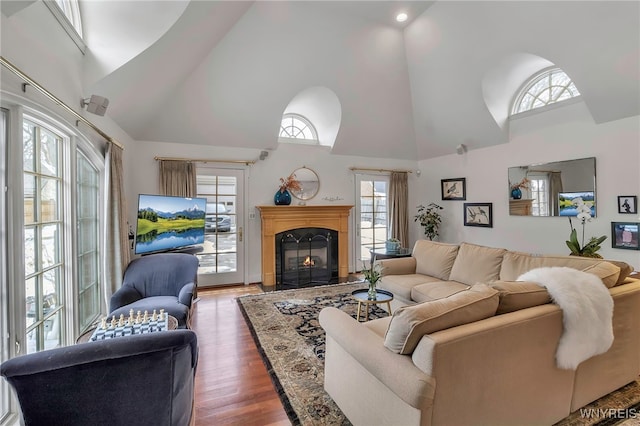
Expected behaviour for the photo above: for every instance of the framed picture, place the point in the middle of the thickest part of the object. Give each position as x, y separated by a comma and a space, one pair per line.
454, 189
627, 204
478, 214
624, 235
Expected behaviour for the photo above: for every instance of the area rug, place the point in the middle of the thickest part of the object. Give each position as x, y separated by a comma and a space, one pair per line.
285, 327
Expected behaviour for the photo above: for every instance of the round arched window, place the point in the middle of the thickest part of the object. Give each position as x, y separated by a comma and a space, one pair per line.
548, 87
295, 126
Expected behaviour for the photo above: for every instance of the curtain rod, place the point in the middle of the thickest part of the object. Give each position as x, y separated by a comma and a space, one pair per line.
203, 160
379, 170
31, 82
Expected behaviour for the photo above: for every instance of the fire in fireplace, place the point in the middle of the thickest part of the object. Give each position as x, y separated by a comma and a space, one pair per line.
306, 257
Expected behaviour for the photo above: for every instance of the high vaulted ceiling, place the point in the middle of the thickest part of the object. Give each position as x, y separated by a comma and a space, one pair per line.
222, 73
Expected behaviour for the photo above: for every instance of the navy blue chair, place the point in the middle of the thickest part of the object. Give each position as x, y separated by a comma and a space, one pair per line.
158, 281
145, 379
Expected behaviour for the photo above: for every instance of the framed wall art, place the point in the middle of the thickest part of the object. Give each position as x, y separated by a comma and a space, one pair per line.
627, 204
454, 189
624, 235
478, 214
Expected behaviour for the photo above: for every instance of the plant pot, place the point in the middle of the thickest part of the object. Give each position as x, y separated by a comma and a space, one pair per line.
392, 246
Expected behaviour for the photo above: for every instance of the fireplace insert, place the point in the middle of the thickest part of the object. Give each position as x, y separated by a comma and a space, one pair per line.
306, 257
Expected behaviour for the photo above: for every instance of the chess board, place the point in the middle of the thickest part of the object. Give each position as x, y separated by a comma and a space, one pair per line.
130, 326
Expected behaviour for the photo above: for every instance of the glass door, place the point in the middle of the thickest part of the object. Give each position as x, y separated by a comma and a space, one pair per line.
371, 216
4, 290
222, 259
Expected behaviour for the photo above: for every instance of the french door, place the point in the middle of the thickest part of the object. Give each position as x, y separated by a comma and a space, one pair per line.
372, 216
222, 258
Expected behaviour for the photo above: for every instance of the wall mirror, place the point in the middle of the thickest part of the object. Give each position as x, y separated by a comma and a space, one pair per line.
309, 183
550, 187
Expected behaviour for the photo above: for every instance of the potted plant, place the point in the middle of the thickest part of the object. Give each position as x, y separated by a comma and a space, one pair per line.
430, 219
372, 275
591, 248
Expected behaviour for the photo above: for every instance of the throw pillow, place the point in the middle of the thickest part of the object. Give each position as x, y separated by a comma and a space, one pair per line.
434, 259
625, 270
476, 264
516, 295
409, 323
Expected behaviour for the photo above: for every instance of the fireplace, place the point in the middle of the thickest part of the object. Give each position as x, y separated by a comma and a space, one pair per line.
282, 219
306, 257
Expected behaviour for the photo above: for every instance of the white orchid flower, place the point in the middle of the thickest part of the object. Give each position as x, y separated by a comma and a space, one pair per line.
584, 216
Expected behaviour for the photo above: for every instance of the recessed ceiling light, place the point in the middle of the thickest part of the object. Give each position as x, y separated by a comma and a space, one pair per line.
401, 17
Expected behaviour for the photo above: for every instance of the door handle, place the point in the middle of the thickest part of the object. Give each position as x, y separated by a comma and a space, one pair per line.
240, 234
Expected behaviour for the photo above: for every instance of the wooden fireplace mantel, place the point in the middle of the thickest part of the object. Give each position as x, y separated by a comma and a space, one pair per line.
276, 219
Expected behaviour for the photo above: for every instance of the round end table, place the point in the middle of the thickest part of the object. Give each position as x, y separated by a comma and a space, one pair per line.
362, 296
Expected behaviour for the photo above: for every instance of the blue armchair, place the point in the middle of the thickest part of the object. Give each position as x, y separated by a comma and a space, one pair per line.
145, 379
159, 281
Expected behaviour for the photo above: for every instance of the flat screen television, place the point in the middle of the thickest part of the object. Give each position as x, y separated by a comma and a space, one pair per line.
566, 206
167, 223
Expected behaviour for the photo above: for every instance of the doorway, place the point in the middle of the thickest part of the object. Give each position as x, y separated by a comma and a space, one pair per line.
371, 216
222, 257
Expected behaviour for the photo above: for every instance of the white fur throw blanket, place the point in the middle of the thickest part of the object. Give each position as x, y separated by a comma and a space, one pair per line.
587, 312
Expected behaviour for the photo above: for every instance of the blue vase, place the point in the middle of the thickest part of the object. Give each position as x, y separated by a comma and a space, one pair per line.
282, 198
516, 193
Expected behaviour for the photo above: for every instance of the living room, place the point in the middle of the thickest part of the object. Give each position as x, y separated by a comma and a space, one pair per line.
431, 97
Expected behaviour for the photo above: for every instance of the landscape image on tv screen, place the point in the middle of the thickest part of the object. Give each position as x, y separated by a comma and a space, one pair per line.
568, 208
166, 223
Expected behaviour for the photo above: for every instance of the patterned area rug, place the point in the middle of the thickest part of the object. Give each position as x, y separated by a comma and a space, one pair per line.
285, 327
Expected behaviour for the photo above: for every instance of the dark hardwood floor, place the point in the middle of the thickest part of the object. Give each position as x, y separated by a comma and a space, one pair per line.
232, 383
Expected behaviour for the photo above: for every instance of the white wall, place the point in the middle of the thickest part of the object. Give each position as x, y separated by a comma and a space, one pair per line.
560, 134
263, 178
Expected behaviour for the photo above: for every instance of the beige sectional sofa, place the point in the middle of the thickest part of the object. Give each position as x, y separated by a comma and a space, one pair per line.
470, 346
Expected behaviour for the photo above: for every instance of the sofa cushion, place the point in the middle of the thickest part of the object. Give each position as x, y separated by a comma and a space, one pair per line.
625, 270
401, 285
409, 323
434, 259
378, 325
476, 264
436, 290
515, 264
516, 295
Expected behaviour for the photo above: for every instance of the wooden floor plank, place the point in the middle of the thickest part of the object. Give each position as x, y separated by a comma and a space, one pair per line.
232, 384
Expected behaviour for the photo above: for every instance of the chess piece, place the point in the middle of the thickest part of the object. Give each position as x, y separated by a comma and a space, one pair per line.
146, 316
121, 321
103, 323
113, 322
154, 317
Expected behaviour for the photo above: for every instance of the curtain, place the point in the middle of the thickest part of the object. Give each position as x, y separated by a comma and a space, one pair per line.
117, 250
178, 178
398, 199
555, 187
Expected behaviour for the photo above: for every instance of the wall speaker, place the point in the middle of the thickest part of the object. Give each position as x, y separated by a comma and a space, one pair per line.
95, 104
264, 154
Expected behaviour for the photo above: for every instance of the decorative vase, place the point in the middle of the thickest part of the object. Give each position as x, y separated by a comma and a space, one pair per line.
371, 294
516, 193
282, 198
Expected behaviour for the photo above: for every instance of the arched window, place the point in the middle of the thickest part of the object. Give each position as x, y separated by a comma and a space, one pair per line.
295, 126
547, 87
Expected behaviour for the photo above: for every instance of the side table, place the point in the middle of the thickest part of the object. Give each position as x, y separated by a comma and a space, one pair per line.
384, 254
362, 296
